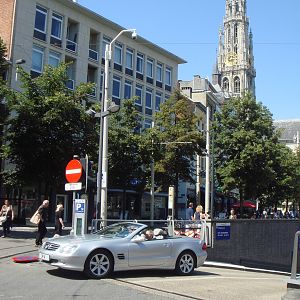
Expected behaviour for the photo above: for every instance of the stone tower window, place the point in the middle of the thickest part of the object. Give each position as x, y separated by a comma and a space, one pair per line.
226, 84
235, 33
237, 85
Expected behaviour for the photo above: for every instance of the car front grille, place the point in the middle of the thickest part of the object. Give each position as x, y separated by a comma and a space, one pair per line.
50, 246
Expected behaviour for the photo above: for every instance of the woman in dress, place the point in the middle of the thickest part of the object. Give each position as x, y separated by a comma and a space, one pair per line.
8, 212
59, 223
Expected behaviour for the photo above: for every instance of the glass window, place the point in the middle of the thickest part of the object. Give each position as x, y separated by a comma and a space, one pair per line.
140, 63
168, 76
149, 98
157, 101
118, 54
40, 19
105, 42
56, 28
150, 67
159, 68
139, 94
54, 59
116, 87
237, 85
226, 84
129, 59
127, 89
148, 123
37, 59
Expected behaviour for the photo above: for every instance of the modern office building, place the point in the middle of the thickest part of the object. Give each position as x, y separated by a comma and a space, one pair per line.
44, 32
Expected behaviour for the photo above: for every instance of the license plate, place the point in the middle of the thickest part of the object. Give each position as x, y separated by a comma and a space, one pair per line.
45, 257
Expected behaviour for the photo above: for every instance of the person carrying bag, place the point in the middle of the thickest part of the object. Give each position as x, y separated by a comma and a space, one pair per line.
6, 217
35, 219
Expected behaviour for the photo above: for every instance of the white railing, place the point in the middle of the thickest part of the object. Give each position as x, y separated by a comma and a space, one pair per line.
72, 46
93, 54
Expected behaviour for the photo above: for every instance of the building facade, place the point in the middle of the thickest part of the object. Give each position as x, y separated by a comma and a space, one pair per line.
234, 70
43, 32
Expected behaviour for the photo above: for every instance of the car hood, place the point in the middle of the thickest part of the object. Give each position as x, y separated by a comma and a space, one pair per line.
80, 239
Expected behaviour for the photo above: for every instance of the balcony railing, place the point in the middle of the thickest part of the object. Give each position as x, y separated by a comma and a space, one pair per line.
71, 46
93, 54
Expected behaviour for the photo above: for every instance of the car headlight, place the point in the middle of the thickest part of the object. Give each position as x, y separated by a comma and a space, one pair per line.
68, 249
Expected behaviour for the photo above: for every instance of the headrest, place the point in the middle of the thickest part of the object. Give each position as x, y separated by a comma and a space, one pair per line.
158, 231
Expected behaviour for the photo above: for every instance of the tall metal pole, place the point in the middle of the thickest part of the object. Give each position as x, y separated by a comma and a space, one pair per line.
108, 55
207, 162
152, 183
105, 137
198, 179
99, 171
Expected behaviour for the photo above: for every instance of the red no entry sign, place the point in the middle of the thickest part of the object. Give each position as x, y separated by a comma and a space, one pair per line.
73, 171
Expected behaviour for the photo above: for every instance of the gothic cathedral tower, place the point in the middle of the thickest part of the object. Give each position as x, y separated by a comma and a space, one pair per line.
234, 70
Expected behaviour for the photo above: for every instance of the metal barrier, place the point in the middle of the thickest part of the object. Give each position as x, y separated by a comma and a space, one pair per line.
295, 256
196, 229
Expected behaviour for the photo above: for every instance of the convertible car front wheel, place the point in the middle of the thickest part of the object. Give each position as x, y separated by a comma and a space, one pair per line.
185, 264
99, 264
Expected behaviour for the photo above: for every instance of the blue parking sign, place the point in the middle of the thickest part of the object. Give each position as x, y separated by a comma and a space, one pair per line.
79, 207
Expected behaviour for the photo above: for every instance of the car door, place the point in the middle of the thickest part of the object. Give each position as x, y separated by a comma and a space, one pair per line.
150, 253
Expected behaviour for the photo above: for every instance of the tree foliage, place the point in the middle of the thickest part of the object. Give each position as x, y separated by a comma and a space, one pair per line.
48, 125
248, 154
129, 152
176, 134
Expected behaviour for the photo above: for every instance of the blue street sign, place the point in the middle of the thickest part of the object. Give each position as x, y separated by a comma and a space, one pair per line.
79, 207
222, 231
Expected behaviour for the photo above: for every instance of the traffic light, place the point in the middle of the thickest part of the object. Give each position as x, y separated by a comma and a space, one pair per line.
88, 173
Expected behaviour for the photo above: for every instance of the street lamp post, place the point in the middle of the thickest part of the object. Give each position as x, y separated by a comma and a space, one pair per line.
104, 166
207, 161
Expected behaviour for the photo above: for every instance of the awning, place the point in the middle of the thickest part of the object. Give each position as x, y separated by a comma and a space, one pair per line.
248, 204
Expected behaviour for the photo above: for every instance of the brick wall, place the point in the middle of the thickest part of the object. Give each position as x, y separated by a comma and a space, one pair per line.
257, 243
6, 21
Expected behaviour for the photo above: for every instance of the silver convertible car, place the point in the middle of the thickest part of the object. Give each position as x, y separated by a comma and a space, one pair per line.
124, 246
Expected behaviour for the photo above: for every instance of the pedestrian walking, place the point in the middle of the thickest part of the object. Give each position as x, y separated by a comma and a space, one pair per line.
59, 223
42, 230
189, 214
232, 215
199, 215
7, 216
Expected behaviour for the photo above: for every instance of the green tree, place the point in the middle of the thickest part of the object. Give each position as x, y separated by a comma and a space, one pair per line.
48, 125
179, 140
3, 89
129, 151
245, 144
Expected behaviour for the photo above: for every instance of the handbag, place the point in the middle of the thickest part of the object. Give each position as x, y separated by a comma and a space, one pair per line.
3, 219
35, 219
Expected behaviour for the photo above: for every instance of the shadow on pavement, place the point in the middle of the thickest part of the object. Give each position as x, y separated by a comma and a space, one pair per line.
73, 275
76, 275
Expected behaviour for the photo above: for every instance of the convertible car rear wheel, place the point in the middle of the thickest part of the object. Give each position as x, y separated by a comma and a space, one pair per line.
99, 264
185, 264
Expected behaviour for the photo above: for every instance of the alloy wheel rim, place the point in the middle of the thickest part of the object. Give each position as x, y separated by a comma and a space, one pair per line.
99, 264
186, 263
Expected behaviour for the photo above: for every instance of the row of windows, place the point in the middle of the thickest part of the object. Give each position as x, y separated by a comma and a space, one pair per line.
236, 84
144, 96
123, 61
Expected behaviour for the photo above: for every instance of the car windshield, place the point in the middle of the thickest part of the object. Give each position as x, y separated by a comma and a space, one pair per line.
119, 230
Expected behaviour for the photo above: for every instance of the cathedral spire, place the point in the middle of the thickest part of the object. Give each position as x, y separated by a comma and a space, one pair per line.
235, 60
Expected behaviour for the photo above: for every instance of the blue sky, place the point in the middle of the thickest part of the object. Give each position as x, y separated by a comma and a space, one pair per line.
191, 32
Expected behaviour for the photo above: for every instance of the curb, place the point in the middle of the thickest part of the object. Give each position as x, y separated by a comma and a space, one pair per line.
243, 268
